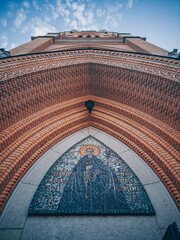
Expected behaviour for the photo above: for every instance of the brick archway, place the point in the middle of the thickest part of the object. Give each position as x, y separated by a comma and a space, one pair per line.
44, 101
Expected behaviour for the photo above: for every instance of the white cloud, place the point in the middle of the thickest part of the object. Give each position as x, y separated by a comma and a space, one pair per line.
26, 4
37, 27
75, 14
51, 6
55, 15
130, 4
3, 41
89, 17
47, 18
58, 9
74, 6
113, 9
12, 45
79, 14
82, 16
67, 20
12, 5
73, 24
4, 44
62, 9
3, 21
114, 21
120, 17
10, 14
35, 5
53, 10
20, 18
68, 4
111, 15
99, 12
42, 29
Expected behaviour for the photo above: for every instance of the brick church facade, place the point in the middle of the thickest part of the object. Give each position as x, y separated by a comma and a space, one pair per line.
134, 86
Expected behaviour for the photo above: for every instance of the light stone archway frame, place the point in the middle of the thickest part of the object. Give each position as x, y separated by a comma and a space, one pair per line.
16, 224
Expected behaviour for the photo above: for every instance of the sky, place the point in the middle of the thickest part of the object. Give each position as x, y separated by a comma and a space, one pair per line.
157, 20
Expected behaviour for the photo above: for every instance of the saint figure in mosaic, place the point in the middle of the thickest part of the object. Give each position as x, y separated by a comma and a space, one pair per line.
90, 178
93, 186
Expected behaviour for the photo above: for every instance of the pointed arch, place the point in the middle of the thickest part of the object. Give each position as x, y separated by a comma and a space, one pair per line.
135, 101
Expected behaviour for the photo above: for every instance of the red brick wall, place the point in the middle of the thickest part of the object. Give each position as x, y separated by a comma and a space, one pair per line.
142, 46
29, 93
154, 95
37, 45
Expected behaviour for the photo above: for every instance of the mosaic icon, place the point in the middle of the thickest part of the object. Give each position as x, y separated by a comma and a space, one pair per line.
90, 179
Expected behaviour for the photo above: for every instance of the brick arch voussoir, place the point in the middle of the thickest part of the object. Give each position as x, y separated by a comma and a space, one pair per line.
26, 140
54, 129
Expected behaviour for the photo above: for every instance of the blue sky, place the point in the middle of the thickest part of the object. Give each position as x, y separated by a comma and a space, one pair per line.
158, 20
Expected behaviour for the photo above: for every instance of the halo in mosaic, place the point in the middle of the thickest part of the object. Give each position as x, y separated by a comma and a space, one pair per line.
90, 179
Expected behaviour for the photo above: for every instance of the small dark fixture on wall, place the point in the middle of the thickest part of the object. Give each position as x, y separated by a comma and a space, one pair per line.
89, 104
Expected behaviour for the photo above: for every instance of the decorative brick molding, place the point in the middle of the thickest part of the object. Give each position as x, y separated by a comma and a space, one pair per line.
43, 101
159, 66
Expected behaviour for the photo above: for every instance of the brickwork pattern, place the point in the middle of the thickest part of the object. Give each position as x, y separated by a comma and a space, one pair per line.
17, 66
30, 93
140, 45
43, 102
161, 92
36, 45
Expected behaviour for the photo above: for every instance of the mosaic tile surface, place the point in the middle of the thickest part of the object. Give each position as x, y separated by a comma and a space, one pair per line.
90, 178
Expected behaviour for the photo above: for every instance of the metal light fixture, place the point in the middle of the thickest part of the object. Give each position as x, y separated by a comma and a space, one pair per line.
89, 104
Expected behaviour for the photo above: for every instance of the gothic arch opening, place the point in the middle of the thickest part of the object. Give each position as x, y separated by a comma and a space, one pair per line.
43, 102
148, 227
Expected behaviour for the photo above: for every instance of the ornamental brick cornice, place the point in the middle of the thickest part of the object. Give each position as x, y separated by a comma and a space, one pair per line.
26, 64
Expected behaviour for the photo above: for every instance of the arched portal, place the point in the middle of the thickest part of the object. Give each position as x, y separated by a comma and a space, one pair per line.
43, 102
15, 220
